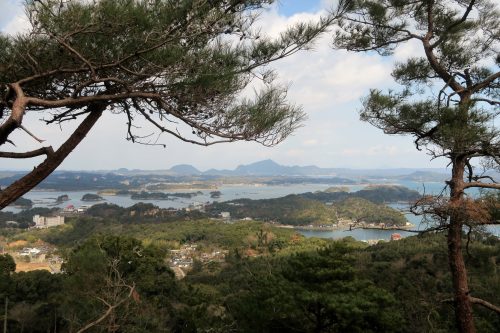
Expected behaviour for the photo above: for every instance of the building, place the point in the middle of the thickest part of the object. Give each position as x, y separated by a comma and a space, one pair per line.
395, 236
42, 222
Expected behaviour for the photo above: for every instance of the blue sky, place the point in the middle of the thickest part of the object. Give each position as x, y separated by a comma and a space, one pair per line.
290, 7
325, 82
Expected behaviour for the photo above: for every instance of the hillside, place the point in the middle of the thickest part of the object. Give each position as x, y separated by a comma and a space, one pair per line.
299, 211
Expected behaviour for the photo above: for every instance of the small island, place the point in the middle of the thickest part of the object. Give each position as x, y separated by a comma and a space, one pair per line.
215, 194
62, 198
23, 203
92, 197
163, 196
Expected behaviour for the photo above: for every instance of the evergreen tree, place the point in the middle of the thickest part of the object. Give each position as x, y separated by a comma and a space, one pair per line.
178, 66
448, 102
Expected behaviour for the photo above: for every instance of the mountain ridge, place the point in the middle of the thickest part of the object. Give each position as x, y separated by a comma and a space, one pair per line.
269, 167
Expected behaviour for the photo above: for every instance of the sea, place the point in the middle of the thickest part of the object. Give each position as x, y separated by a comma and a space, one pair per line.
254, 192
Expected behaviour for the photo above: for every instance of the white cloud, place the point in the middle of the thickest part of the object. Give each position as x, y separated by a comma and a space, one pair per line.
327, 83
12, 17
18, 24
408, 49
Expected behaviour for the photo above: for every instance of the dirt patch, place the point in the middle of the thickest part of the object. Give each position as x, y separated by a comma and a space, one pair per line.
31, 266
17, 244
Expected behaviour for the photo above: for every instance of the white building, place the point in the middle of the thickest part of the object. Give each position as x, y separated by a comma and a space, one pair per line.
47, 222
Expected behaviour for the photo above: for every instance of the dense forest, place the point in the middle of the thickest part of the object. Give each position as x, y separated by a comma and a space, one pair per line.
116, 277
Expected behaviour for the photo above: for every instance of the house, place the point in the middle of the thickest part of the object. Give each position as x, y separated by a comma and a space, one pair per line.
225, 215
42, 222
395, 236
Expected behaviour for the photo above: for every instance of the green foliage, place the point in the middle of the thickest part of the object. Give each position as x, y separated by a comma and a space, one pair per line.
378, 194
121, 271
7, 267
448, 103
308, 208
306, 292
307, 285
91, 197
22, 202
415, 269
291, 209
364, 210
158, 60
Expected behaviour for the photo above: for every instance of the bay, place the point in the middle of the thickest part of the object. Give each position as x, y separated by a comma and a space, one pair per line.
229, 192
254, 192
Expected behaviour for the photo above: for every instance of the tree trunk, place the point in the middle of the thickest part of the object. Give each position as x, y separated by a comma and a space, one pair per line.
39, 173
463, 306
5, 314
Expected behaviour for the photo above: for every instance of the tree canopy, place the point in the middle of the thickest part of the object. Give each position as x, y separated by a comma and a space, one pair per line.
184, 68
448, 102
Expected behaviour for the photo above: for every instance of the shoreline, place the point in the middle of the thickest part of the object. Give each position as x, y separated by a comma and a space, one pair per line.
342, 228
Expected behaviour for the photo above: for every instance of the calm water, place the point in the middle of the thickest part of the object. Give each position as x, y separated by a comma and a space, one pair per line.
231, 192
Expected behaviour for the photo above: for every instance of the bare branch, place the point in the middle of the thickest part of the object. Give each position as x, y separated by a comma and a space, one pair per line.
481, 185
484, 303
34, 153
486, 82
111, 308
31, 134
489, 101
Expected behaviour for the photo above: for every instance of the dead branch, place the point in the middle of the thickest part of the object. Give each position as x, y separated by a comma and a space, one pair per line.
109, 311
485, 304
34, 153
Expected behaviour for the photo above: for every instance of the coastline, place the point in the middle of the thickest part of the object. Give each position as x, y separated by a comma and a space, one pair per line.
343, 227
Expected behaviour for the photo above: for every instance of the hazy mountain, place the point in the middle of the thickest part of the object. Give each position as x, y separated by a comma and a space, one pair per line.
271, 168
184, 169
425, 176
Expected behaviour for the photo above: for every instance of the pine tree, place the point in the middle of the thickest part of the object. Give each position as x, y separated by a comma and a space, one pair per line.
180, 66
448, 102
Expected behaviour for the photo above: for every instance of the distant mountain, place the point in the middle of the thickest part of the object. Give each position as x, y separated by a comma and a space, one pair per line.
427, 176
271, 168
184, 169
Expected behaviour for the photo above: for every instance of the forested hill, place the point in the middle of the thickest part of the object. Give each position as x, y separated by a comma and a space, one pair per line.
375, 193
299, 211
324, 207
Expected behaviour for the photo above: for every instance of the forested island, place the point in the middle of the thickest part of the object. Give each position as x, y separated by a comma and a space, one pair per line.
163, 196
324, 208
23, 203
91, 197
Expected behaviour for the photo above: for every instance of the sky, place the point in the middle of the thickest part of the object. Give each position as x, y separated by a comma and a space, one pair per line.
329, 85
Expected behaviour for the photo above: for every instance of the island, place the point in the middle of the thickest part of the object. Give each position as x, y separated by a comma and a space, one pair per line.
62, 198
215, 194
91, 197
163, 196
23, 203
